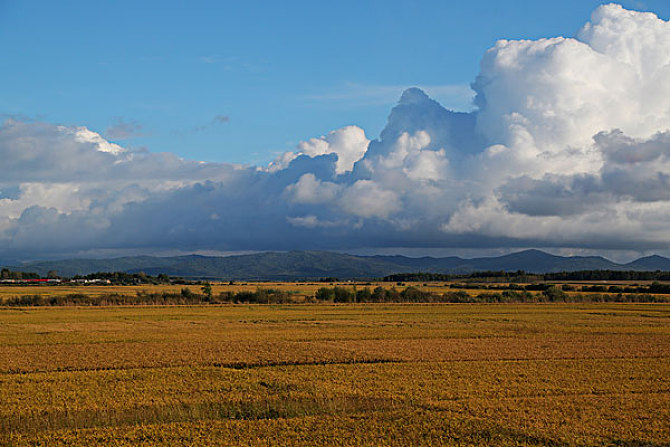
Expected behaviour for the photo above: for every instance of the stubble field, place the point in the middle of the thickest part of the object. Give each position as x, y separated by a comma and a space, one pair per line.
299, 290
366, 374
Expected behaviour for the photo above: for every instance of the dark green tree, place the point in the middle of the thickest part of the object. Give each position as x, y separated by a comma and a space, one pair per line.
207, 291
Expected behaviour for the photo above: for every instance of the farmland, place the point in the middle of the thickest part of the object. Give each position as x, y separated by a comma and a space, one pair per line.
299, 288
354, 374
486, 290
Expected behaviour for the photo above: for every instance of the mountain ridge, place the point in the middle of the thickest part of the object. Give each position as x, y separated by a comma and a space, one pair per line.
294, 265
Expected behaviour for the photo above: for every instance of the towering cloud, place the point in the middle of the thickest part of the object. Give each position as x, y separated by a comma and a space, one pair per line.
569, 147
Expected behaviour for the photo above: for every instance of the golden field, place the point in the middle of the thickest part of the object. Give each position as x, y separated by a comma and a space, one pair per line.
301, 291
305, 288
368, 374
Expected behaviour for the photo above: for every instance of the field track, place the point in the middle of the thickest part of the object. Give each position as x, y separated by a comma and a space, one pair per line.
374, 374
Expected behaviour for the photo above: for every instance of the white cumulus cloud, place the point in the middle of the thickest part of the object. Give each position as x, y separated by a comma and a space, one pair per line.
348, 144
568, 147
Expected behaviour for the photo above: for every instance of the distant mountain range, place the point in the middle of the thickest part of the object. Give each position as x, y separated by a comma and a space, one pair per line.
319, 264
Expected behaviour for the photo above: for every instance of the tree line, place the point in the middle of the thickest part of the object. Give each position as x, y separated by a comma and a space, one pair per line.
5, 273
337, 294
522, 276
519, 276
117, 278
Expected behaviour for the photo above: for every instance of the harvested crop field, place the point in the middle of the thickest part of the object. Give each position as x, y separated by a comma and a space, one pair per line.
367, 374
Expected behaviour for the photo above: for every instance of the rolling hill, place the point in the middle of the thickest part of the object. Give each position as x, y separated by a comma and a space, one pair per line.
319, 264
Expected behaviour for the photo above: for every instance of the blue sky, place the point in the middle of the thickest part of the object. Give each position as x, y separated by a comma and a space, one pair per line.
245, 81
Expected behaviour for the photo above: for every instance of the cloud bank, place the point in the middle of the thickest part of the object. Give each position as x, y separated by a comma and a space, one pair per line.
568, 146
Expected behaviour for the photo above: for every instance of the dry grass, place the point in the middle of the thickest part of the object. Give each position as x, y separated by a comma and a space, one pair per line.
564, 375
300, 291
304, 289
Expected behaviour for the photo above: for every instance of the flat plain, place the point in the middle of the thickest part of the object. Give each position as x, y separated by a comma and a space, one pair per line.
301, 290
324, 374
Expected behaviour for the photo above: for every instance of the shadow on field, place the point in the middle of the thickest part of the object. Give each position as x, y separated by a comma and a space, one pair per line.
422, 425
193, 411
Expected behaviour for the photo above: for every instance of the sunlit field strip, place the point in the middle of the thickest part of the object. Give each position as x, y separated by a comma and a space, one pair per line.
297, 287
301, 290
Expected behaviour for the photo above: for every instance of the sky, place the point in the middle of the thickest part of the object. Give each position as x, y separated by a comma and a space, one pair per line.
226, 127
160, 75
